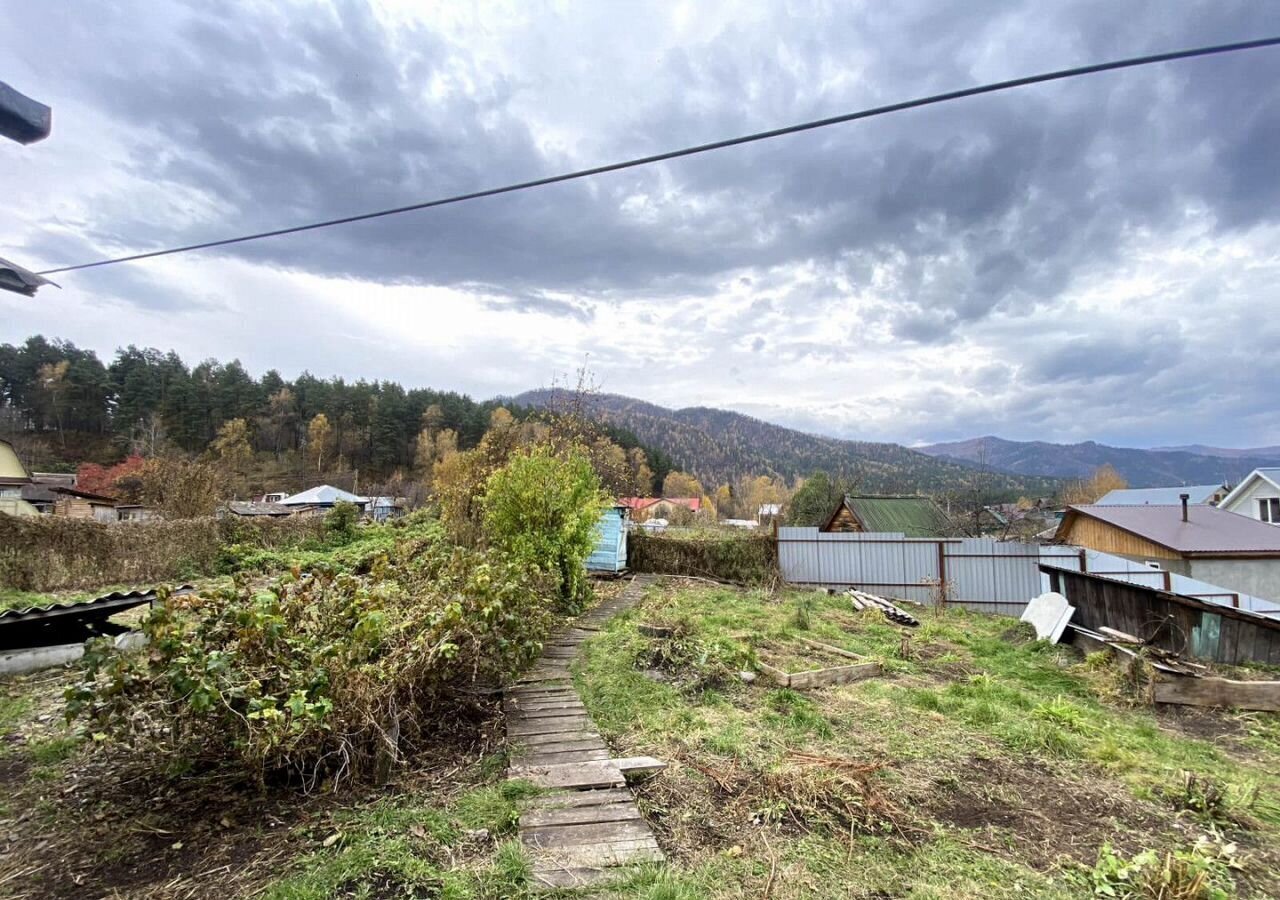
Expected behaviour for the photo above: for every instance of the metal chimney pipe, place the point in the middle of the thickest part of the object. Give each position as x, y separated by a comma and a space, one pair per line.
1184, 498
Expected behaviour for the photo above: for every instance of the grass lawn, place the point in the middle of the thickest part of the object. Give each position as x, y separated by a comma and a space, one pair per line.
981, 764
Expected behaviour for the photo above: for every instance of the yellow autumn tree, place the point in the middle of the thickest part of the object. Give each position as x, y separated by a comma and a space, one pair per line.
1089, 490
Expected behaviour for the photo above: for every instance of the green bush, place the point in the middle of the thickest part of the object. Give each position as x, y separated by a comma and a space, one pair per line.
543, 507
324, 675
341, 522
1202, 872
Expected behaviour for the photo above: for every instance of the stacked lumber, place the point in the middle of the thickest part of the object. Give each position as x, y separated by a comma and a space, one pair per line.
863, 600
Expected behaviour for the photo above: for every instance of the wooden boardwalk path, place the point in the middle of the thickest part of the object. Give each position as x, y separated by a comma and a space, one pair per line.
589, 822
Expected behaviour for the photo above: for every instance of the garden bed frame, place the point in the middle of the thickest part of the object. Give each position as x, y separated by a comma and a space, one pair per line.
811, 678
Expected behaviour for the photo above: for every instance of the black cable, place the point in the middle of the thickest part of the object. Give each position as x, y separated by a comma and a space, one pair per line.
705, 148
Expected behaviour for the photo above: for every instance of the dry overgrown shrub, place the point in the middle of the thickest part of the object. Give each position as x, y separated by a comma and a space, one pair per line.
323, 676
808, 792
746, 559
697, 663
54, 552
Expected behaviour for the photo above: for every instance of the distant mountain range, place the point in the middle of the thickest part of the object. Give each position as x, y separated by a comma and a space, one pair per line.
1141, 468
719, 447
1272, 453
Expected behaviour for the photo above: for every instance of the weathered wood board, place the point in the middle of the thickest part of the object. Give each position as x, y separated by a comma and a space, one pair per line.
821, 677
1224, 692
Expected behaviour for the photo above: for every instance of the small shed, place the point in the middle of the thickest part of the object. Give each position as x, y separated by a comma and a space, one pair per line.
74, 503
610, 553
384, 509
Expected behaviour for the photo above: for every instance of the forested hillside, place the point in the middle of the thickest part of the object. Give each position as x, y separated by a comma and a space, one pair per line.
62, 406
1140, 468
720, 447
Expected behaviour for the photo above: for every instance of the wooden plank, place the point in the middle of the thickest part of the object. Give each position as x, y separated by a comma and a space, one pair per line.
1228, 639
639, 765
545, 678
535, 693
611, 853
1263, 695
539, 757
525, 714
556, 737
597, 774
1119, 635
568, 799
549, 725
589, 834
580, 815
521, 701
543, 701
835, 675
816, 645
776, 675
559, 746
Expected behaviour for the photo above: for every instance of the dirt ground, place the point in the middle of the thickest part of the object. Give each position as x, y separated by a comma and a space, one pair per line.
1029, 812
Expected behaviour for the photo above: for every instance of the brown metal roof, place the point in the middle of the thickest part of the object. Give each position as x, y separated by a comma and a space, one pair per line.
1209, 531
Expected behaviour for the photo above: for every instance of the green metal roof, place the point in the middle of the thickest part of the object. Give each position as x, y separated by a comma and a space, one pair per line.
913, 516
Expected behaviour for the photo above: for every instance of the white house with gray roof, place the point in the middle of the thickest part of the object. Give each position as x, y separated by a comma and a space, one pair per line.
1257, 497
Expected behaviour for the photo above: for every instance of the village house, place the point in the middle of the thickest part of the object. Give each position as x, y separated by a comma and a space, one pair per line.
1203, 542
769, 512
135, 512
319, 500
1257, 497
14, 479
256, 508
1198, 494
915, 517
671, 508
384, 509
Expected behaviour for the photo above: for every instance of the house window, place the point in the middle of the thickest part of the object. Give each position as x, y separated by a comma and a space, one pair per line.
1269, 510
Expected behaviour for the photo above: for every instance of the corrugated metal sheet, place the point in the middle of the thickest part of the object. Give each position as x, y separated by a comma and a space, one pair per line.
982, 574
106, 605
1162, 496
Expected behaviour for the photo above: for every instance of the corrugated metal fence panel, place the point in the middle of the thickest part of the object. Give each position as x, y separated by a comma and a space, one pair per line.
883, 563
993, 576
982, 574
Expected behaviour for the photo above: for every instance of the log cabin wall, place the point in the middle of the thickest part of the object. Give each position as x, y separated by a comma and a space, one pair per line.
1107, 538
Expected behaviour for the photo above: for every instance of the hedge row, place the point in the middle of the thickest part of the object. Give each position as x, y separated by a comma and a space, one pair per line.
51, 552
749, 559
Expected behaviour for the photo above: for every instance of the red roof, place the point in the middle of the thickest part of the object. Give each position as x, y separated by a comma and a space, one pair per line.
638, 503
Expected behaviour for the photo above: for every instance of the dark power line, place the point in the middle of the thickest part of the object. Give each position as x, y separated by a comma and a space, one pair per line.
704, 148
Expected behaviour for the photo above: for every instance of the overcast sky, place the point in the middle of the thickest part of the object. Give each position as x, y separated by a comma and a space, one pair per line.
1094, 259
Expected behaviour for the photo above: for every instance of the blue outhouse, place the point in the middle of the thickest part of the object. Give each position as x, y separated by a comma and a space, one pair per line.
610, 553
